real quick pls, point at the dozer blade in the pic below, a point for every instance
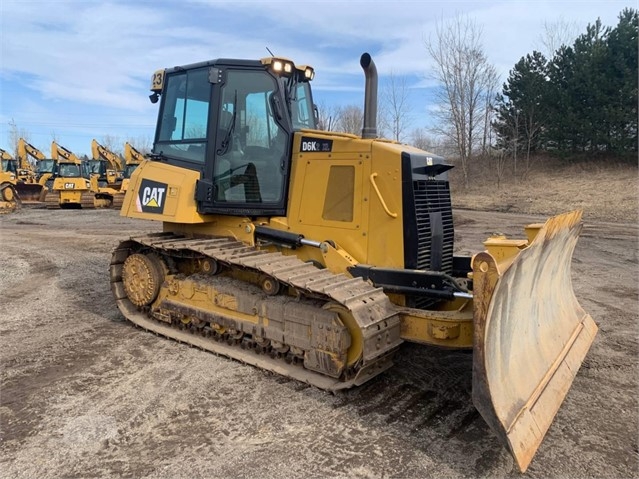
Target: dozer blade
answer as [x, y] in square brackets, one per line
[30, 192]
[530, 335]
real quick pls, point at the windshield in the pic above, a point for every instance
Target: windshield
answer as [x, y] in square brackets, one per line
[69, 170]
[96, 167]
[45, 166]
[128, 170]
[9, 165]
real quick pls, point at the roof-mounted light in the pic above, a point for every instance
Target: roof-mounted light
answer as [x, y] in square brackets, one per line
[305, 73]
[279, 66]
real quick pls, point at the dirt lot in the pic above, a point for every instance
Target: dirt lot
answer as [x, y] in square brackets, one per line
[84, 394]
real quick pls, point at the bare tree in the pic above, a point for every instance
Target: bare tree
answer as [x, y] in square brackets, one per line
[396, 106]
[555, 35]
[464, 76]
[15, 134]
[327, 116]
[500, 157]
[113, 143]
[489, 96]
[419, 138]
[514, 148]
[350, 119]
[144, 144]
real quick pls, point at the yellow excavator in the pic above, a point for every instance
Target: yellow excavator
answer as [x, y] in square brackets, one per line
[107, 165]
[132, 159]
[108, 168]
[46, 168]
[316, 254]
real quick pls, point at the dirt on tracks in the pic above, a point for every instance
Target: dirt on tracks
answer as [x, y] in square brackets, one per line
[85, 394]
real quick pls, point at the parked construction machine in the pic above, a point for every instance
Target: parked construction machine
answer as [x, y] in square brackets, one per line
[9, 198]
[107, 165]
[108, 168]
[316, 254]
[46, 168]
[132, 159]
[71, 187]
[27, 187]
[75, 186]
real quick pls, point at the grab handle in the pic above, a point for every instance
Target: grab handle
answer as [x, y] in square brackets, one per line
[379, 195]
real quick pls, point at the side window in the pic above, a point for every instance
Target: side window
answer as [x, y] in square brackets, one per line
[302, 108]
[250, 145]
[184, 120]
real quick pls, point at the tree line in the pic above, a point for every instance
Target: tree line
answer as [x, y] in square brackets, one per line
[582, 99]
[579, 97]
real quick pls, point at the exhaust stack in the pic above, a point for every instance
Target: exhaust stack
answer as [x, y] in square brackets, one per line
[370, 97]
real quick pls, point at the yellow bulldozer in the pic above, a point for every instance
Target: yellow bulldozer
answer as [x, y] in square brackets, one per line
[316, 254]
[71, 186]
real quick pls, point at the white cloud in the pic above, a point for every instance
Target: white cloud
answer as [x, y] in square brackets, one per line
[95, 59]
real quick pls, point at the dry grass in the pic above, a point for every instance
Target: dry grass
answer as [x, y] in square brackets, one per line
[605, 190]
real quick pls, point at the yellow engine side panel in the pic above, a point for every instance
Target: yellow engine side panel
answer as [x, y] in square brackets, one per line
[163, 193]
[323, 207]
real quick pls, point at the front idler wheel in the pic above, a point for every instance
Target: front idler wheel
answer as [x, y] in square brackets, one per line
[142, 277]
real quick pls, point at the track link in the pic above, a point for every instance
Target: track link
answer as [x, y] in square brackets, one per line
[87, 200]
[52, 200]
[371, 316]
[118, 200]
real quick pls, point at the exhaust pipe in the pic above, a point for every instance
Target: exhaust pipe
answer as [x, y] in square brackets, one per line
[370, 97]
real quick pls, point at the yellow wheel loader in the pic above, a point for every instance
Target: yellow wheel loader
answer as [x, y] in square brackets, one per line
[316, 254]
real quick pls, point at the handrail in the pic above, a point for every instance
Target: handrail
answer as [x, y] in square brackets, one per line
[379, 195]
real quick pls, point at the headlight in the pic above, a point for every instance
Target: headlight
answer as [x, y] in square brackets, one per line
[305, 73]
[88, 184]
[309, 73]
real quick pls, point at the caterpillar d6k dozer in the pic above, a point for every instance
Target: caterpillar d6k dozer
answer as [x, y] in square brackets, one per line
[315, 254]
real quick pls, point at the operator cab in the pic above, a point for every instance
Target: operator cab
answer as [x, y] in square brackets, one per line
[128, 170]
[10, 166]
[233, 120]
[99, 169]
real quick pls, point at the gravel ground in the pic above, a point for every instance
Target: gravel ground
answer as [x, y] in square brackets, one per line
[85, 394]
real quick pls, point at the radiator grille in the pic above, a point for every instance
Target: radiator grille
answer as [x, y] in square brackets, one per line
[432, 201]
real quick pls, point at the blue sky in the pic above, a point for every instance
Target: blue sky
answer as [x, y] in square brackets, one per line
[78, 70]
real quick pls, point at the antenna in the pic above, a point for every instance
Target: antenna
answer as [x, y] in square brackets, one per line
[269, 50]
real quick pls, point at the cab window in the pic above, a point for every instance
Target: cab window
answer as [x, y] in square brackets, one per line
[183, 121]
[251, 146]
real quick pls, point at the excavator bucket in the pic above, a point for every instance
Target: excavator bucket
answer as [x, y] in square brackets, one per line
[530, 333]
[30, 192]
